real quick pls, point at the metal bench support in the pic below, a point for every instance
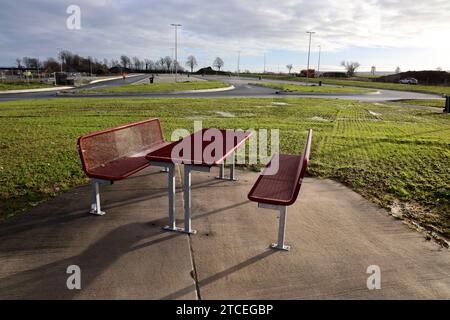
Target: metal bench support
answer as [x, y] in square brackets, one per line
[95, 197]
[282, 225]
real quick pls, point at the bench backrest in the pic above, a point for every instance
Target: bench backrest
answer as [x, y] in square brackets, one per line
[305, 158]
[99, 148]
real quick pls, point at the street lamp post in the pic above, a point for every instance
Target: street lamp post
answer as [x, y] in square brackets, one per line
[239, 63]
[264, 63]
[318, 65]
[309, 54]
[60, 56]
[176, 25]
[172, 50]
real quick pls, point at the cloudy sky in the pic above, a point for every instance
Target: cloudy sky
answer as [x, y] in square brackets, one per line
[411, 34]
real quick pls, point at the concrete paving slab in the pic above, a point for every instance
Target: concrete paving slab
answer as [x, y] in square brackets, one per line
[335, 236]
[122, 255]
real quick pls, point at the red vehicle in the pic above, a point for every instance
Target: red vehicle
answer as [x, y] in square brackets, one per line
[310, 73]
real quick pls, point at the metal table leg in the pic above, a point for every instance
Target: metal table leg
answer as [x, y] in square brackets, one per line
[232, 167]
[171, 188]
[187, 195]
[232, 176]
[221, 175]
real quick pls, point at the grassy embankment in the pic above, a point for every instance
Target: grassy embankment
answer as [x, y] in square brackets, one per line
[162, 86]
[440, 90]
[21, 85]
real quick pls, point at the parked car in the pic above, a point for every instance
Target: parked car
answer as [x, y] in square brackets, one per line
[409, 81]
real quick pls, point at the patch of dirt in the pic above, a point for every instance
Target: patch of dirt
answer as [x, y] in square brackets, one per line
[414, 216]
[316, 118]
[376, 114]
[224, 114]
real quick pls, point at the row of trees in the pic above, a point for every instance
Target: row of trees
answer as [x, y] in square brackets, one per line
[75, 63]
[70, 62]
[191, 62]
[350, 67]
[163, 64]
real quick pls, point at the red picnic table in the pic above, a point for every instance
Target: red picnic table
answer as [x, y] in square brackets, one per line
[196, 152]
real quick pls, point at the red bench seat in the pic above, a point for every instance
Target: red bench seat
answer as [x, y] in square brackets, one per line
[277, 190]
[281, 188]
[117, 153]
[125, 166]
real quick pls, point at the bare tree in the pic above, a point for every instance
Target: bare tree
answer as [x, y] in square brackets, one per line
[149, 64]
[398, 70]
[51, 65]
[161, 64]
[289, 67]
[191, 62]
[31, 62]
[114, 63]
[218, 63]
[19, 63]
[350, 67]
[167, 62]
[125, 61]
[136, 63]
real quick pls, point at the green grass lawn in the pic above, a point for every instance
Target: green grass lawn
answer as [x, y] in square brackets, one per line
[311, 89]
[383, 152]
[162, 86]
[22, 85]
[365, 84]
[438, 103]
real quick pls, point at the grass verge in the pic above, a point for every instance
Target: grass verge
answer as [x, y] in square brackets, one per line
[311, 88]
[21, 85]
[440, 90]
[163, 86]
[386, 153]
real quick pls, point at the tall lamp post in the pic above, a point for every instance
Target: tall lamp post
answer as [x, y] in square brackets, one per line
[60, 56]
[318, 64]
[172, 50]
[176, 25]
[264, 63]
[239, 63]
[309, 54]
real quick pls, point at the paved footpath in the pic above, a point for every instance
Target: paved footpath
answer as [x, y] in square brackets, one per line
[335, 235]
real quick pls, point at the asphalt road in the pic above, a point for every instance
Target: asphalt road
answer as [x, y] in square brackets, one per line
[243, 88]
[52, 94]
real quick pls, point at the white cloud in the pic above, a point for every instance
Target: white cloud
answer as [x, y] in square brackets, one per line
[142, 28]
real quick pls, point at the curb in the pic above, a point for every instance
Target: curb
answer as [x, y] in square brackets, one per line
[36, 90]
[113, 78]
[349, 94]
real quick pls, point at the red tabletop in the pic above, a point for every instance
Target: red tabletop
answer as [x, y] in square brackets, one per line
[207, 147]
